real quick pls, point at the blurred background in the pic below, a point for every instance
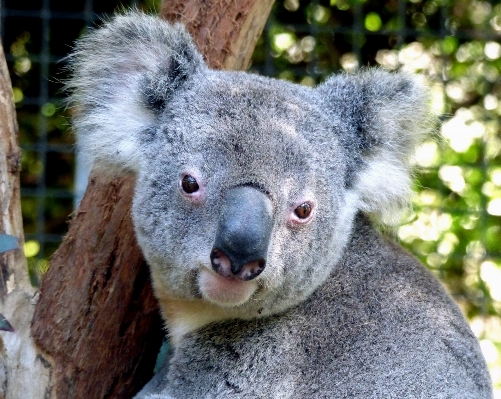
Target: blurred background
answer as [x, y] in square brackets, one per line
[455, 226]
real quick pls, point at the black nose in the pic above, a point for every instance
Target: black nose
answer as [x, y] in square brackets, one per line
[243, 235]
[228, 268]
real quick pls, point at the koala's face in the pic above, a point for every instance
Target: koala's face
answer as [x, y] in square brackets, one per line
[246, 173]
[246, 187]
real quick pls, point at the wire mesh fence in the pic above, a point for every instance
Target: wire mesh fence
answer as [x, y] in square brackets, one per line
[455, 227]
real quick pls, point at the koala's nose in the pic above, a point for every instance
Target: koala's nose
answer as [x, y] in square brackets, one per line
[243, 234]
[224, 266]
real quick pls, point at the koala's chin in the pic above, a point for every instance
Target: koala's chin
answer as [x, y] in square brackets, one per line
[222, 291]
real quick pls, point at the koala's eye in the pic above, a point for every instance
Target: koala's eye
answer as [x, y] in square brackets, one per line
[189, 184]
[303, 210]
[192, 187]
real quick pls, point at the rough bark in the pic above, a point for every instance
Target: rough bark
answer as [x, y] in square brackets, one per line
[96, 319]
[22, 370]
[225, 32]
[97, 316]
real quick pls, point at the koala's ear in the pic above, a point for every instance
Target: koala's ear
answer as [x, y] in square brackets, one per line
[383, 116]
[123, 75]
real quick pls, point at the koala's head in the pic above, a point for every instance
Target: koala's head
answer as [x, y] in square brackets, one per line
[247, 187]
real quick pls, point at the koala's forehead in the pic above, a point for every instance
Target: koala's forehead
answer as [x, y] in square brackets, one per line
[249, 120]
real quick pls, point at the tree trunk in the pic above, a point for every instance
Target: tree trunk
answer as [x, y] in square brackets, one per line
[96, 321]
[225, 32]
[21, 367]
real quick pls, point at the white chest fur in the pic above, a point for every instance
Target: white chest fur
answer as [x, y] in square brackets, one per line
[184, 316]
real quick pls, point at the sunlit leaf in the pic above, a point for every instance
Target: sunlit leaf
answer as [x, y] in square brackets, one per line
[373, 22]
[449, 45]
[31, 248]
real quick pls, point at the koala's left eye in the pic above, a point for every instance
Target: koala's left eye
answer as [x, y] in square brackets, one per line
[189, 184]
[303, 210]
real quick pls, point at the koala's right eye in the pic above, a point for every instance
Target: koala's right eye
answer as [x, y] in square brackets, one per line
[189, 184]
[192, 187]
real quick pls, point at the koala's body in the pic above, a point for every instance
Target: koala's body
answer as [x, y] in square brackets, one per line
[251, 207]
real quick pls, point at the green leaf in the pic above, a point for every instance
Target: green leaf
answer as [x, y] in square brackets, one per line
[5, 325]
[373, 22]
[449, 45]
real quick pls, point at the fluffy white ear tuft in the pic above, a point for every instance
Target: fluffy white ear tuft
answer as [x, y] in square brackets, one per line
[385, 115]
[110, 134]
[385, 189]
[123, 75]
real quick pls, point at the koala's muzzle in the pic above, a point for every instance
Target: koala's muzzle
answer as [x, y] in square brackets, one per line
[243, 234]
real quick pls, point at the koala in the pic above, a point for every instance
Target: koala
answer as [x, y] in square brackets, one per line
[254, 207]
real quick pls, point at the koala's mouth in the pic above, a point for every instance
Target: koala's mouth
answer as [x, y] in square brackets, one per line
[223, 291]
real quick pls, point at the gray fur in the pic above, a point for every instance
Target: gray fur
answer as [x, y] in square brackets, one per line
[338, 312]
